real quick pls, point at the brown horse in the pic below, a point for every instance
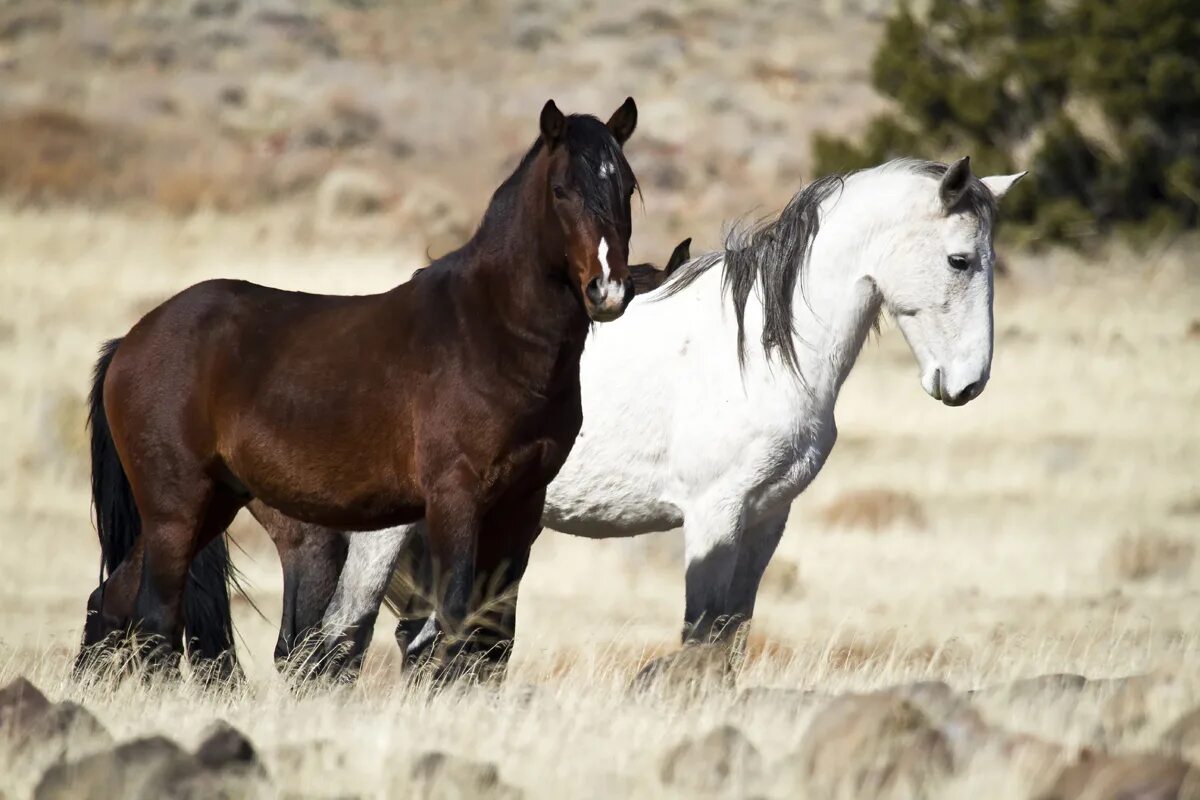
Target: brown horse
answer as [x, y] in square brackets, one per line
[647, 277]
[455, 396]
[312, 557]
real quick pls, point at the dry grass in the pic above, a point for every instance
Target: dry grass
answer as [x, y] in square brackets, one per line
[1007, 553]
[1148, 555]
[1021, 564]
[874, 510]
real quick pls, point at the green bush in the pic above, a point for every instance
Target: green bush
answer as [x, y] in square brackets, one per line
[1099, 99]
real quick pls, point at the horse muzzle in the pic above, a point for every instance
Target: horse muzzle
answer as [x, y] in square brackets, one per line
[606, 299]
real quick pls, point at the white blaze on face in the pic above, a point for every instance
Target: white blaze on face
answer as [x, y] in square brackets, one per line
[602, 252]
[607, 168]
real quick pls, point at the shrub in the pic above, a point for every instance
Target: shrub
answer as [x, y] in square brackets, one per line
[1099, 99]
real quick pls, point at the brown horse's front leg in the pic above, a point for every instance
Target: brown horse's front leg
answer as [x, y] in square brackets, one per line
[504, 546]
[452, 514]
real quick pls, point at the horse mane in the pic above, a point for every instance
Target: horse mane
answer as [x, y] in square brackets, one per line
[773, 253]
[770, 254]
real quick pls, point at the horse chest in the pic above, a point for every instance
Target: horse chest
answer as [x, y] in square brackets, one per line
[779, 465]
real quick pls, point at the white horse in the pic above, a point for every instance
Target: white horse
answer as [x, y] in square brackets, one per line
[710, 404]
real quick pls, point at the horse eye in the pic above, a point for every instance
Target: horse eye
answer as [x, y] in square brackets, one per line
[560, 192]
[959, 262]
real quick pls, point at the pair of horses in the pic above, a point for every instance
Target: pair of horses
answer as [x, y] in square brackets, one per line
[456, 414]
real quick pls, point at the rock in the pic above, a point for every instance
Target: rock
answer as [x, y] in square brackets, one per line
[873, 745]
[721, 760]
[21, 703]
[1183, 737]
[223, 745]
[1024, 765]
[691, 669]
[136, 769]
[439, 776]
[1142, 776]
[349, 193]
[950, 713]
[209, 9]
[35, 733]
[224, 766]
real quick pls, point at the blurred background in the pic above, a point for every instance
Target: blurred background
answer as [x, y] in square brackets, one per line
[337, 145]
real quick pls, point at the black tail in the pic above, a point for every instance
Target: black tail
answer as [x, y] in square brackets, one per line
[208, 621]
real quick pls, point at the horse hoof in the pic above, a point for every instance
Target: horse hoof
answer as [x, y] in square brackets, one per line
[222, 672]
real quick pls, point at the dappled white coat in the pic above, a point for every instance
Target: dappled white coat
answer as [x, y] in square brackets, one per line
[677, 432]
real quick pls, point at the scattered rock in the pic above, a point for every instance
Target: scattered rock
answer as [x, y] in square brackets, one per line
[1183, 737]
[19, 26]
[223, 745]
[1025, 765]
[439, 776]
[689, 670]
[873, 745]
[1145, 777]
[136, 769]
[224, 766]
[208, 9]
[21, 703]
[721, 760]
[35, 733]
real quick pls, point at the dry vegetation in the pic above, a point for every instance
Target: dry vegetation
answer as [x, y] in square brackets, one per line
[1047, 529]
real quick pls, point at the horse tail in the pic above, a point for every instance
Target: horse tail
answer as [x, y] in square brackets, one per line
[207, 616]
[117, 521]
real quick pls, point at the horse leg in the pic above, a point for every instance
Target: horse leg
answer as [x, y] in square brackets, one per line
[409, 595]
[712, 537]
[349, 619]
[312, 567]
[175, 527]
[754, 553]
[508, 535]
[109, 611]
[453, 516]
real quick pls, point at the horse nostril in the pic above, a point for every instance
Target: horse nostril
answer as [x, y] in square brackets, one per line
[970, 392]
[594, 292]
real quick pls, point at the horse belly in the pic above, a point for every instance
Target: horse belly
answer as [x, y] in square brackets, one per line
[612, 505]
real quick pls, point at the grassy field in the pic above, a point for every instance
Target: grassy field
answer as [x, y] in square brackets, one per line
[1048, 527]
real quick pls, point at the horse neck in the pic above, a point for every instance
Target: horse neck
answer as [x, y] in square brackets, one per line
[521, 276]
[836, 303]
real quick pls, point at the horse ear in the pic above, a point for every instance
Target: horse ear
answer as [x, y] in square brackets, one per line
[623, 121]
[679, 256]
[1000, 184]
[955, 182]
[553, 124]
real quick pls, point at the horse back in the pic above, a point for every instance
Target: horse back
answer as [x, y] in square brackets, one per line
[276, 391]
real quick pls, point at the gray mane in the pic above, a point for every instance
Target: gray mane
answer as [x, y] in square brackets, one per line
[773, 254]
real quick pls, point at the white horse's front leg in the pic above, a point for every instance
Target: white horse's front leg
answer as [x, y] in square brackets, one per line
[755, 550]
[712, 536]
[350, 617]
